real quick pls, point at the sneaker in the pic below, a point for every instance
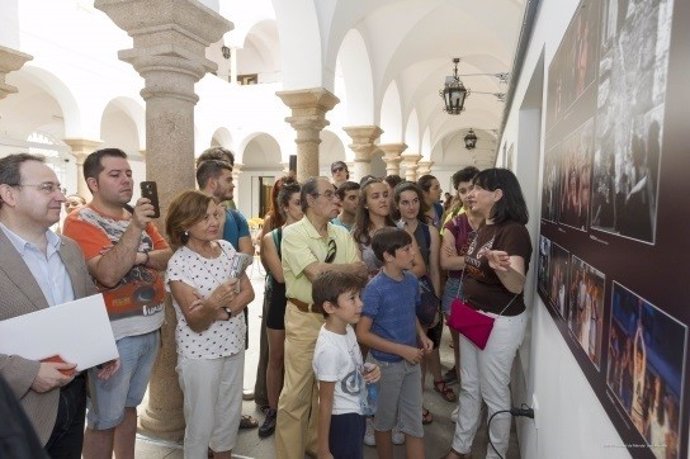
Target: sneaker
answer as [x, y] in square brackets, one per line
[369, 438]
[398, 436]
[269, 425]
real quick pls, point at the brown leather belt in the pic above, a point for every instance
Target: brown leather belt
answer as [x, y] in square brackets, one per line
[304, 307]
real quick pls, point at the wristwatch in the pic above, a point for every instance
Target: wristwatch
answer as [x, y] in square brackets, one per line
[229, 311]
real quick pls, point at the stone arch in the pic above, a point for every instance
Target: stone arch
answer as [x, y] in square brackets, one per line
[260, 52]
[300, 35]
[355, 65]
[331, 149]
[222, 138]
[259, 150]
[31, 109]
[123, 125]
[412, 133]
[391, 115]
[60, 92]
[245, 20]
[425, 149]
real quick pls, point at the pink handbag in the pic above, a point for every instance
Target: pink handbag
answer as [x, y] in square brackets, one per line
[474, 325]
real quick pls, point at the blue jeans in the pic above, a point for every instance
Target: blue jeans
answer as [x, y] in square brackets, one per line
[125, 389]
[452, 290]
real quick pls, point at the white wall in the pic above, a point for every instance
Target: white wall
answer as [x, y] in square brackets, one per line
[570, 422]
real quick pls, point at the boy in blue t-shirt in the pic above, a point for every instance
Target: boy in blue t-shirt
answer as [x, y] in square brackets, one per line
[389, 327]
[339, 367]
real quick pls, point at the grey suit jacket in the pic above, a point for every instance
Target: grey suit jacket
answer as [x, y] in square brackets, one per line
[20, 294]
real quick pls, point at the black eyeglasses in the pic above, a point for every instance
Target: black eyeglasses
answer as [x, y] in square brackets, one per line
[332, 250]
[328, 194]
[45, 187]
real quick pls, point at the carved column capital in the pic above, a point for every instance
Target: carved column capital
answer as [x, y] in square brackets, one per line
[309, 107]
[81, 148]
[409, 166]
[424, 167]
[391, 156]
[363, 146]
[170, 38]
[10, 60]
[363, 140]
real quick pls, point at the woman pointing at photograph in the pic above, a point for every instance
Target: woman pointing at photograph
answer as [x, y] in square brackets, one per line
[493, 284]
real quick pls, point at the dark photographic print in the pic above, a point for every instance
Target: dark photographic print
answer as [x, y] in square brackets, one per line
[586, 300]
[585, 45]
[558, 292]
[576, 176]
[646, 358]
[550, 192]
[633, 66]
[573, 67]
[543, 268]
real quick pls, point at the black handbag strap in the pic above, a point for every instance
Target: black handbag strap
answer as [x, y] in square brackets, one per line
[457, 295]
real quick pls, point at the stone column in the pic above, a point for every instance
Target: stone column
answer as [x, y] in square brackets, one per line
[170, 38]
[409, 166]
[363, 145]
[10, 60]
[391, 156]
[424, 167]
[309, 107]
[81, 148]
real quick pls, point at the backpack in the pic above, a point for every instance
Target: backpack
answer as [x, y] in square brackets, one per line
[430, 303]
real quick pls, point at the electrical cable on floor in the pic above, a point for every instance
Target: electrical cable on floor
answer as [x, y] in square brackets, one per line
[524, 410]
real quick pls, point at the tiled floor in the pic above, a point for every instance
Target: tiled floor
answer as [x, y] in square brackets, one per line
[438, 434]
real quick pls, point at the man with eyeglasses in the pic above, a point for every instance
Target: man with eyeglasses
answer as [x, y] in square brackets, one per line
[125, 254]
[309, 247]
[40, 269]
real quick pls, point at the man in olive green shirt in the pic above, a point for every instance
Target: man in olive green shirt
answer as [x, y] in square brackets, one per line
[310, 247]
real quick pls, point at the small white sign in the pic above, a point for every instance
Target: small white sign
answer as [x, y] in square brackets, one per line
[78, 331]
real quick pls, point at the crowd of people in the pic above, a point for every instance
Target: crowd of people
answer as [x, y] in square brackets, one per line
[361, 278]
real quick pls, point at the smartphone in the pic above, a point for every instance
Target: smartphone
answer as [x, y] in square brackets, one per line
[149, 190]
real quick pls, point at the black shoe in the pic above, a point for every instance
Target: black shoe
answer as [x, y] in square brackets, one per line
[269, 425]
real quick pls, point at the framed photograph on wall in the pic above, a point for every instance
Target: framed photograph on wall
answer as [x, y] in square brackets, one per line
[647, 355]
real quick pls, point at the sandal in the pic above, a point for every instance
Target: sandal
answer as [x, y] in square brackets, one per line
[450, 376]
[248, 422]
[427, 417]
[445, 391]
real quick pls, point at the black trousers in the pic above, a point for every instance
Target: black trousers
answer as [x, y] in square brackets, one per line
[68, 434]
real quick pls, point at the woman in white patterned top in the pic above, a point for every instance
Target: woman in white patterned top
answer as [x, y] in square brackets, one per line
[210, 324]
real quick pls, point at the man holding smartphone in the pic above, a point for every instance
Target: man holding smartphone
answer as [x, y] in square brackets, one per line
[124, 254]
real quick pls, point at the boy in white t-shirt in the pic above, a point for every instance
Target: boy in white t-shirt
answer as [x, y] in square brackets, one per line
[339, 368]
